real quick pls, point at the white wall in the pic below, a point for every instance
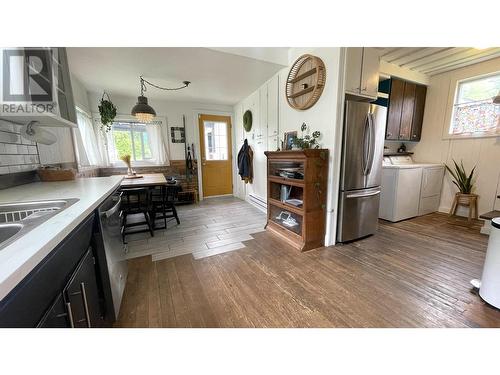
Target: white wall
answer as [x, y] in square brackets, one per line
[435, 147]
[324, 116]
[173, 111]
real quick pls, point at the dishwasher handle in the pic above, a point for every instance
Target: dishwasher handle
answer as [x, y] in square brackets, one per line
[113, 209]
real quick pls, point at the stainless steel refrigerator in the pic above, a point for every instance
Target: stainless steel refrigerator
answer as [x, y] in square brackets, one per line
[361, 170]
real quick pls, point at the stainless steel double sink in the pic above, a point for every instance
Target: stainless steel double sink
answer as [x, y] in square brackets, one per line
[17, 219]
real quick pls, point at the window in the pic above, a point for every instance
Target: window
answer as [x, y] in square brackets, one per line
[474, 112]
[86, 141]
[131, 139]
[145, 143]
[215, 140]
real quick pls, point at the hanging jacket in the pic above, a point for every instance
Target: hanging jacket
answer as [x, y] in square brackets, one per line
[245, 162]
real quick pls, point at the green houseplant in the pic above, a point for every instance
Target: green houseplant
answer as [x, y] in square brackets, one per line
[107, 110]
[461, 179]
[465, 183]
[306, 141]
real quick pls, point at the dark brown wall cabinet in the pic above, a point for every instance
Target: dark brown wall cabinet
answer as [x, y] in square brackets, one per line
[406, 111]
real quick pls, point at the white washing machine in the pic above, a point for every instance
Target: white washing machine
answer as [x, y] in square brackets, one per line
[409, 189]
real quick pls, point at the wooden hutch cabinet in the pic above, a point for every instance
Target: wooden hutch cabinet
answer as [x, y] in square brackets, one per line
[296, 196]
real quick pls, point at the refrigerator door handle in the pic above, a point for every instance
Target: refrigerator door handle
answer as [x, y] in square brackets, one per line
[362, 195]
[371, 152]
[366, 145]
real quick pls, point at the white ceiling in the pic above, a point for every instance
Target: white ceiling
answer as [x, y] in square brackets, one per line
[435, 60]
[219, 77]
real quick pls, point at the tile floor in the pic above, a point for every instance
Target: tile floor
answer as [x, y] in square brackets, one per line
[214, 226]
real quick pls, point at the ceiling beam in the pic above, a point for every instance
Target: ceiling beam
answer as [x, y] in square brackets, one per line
[392, 57]
[464, 63]
[425, 52]
[467, 55]
[393, 70]
[435, 56]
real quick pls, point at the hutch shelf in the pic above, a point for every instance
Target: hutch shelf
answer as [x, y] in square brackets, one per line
[296, 196]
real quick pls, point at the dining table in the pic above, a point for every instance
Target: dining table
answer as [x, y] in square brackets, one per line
[145, 180]
[151, 181]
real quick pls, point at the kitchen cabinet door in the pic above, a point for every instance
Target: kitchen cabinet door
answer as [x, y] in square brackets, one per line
[354, 62]
[57, 316]
[82, 294]
[395, 106]
[262, 132]
[418, 114]
[260, 169]
[407, 111]
[273, 106]
[370, 73]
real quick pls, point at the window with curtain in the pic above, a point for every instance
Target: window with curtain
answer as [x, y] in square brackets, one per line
[145, 143]
[474, 112]
[87, 141]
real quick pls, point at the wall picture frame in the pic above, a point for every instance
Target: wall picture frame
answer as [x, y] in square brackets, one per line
[288, 139]
[177, 134]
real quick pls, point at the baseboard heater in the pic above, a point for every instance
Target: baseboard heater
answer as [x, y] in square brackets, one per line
[258, 202]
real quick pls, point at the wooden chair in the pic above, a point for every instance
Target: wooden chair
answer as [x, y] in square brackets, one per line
[468, 200]
[163, 205]
[135, 202]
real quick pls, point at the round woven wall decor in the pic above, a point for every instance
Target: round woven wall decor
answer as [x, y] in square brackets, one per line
[305, 82]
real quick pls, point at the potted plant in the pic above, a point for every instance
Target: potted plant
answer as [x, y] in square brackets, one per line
[465, 183]
[107, 110]
[306, 141]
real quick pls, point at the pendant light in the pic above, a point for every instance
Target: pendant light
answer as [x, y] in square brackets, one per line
[496, 99]
[142, 111]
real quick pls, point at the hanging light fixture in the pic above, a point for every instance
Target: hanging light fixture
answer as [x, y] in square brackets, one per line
[142, 111]
[496, 99]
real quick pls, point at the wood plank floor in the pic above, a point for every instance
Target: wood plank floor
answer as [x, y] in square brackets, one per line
[414, 273]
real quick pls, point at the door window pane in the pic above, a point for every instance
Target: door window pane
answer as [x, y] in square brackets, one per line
[215, 140]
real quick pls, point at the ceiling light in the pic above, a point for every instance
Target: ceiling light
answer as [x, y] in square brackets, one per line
[142, 111]
[496, 99]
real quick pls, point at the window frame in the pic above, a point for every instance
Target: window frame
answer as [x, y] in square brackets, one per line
[449, 128]
[126, 118]
[147, 161]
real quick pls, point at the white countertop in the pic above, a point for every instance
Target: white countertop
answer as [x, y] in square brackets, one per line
[21, 256]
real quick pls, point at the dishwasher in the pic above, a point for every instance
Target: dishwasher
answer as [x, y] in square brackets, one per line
[115, 250]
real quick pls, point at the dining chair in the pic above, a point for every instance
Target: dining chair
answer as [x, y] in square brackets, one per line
[163, 200]
[135, 202]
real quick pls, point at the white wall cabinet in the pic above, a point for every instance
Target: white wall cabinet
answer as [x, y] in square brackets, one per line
[261, 130]
[273, 106]
[362, 72]
[264, 136]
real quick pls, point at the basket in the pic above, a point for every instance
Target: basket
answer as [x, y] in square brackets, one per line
[48, 175]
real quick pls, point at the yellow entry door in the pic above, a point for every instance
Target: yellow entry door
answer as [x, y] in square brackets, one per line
[215, 146]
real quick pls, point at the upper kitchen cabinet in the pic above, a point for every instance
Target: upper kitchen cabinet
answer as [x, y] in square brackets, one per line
[65, 101]
[273, 106]
[406, 109]
[53, 77]
[362, 72]
[261, 129]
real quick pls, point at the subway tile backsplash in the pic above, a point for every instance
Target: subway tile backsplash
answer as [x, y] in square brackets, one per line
[17, 154]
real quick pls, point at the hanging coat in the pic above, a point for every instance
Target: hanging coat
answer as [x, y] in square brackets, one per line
[245, 162]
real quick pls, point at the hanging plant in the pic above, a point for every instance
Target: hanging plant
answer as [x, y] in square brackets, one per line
[107, 110]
